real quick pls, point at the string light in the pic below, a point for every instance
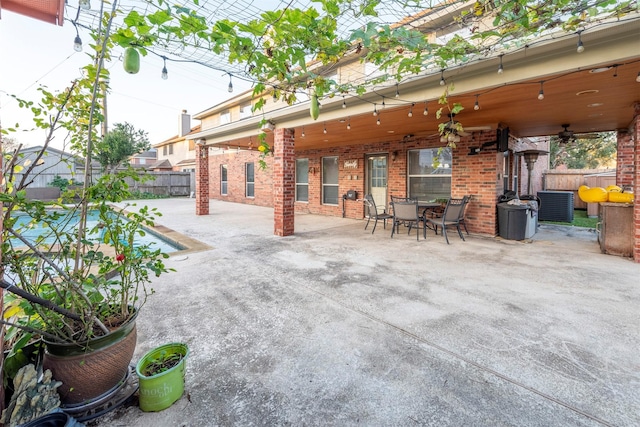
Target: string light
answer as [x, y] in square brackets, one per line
[85, 4]
[383, 104]
[500, 67]
[302, 131]
[411, 110]
[476, 106]
[442, 80]
[375, 110]
[426, 109]
[165, 73]
[77, 42]
[325, 128]
[397, 91]
[349, 123]
[378, 121]
[541, 93]
[230, 87]
[580, 48]
[344, 103]
[638, 77]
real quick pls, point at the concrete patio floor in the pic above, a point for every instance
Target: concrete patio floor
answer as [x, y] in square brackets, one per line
[335, 326]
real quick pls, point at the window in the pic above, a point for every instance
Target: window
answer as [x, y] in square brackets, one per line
[426, 180]
[330, 180]
[164, 150]
[170, 148]
[249, 180]
[223, 180]
[302, 180]
[245, 110]
[225, 117]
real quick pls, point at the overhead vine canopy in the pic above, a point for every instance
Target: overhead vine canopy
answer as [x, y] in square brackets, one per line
[268, 41]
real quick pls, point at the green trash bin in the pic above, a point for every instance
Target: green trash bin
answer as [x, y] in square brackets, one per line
[512, 220]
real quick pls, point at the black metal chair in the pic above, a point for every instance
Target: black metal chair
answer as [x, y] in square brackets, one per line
[453, 216]
[374, 214]
[405, 211]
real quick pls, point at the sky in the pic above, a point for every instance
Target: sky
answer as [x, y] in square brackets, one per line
[34, 53]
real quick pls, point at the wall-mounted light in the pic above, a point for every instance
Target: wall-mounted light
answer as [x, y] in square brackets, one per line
[312, 170]
[394, 155]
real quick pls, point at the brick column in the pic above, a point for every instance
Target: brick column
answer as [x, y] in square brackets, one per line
[636, 184]
[202, 180]
[284, 181]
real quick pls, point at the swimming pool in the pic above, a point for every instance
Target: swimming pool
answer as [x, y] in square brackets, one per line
[31, 231]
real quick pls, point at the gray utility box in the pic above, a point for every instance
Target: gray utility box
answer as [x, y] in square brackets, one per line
[516, 221]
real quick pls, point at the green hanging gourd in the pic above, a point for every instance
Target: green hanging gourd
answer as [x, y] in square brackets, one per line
[131, 60]
[314, 108]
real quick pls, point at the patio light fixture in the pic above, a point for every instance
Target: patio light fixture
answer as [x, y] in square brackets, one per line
[410, 113]
[638, 77]
[541, 93]
[442, 80]
[344, 102]
[500, 67]
[375, 110]
[476, 106]
[397, 91]
[77, 42]
[325, 128]
[302, 132]
[349, 123]
[580, 48]
[165, 73]
[426, 109]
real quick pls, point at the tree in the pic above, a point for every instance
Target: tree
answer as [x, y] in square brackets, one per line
[583, 153]
[8, 144]
[118, 145]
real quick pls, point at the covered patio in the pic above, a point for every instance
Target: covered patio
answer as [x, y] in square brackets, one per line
[336, 326]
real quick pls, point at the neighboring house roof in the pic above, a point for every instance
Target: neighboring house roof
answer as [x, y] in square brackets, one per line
[151, 154]
[178, 138]
[162, 164]
[186, 162]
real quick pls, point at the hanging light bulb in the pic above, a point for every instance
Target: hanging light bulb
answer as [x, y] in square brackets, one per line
[426, 109]
[378, 121]
[230, 87]
[77, 43]
[397, 91]
[85, 4]
[476, 106]
[638, 77]
[580, 48]
[375, 111]
[383, 104]
[442, 80]
[410, 114]
[303, 132]
[541, 93]
[344, 103]
[165, 73]
[500, 67]
[349, 124]
[325, 128]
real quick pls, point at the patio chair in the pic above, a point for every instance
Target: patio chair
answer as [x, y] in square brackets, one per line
[375, 214]
[405, 211]
[453, 216]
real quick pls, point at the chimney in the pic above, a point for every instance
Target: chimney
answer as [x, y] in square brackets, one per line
[185, 123]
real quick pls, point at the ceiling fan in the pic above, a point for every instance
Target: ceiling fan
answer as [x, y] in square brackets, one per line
[567, 135]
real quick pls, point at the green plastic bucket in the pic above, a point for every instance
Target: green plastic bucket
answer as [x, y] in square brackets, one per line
[159, 391]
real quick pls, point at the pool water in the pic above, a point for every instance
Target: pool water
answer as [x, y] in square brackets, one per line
[71, 223]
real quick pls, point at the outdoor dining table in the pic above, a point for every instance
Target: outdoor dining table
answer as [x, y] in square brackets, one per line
[424, 206]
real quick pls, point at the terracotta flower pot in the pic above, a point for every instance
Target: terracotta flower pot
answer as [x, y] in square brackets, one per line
[91, 369]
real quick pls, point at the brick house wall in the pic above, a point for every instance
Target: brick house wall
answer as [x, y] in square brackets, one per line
[236, 191]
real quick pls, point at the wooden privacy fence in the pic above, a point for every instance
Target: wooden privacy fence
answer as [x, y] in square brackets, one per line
[572, 179]
[161, 183]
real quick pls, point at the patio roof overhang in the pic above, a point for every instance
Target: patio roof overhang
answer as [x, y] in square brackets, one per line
[51, 11]
[593, 91]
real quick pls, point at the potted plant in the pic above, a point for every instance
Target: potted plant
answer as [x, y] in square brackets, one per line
[161, 376]
[75, 275]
